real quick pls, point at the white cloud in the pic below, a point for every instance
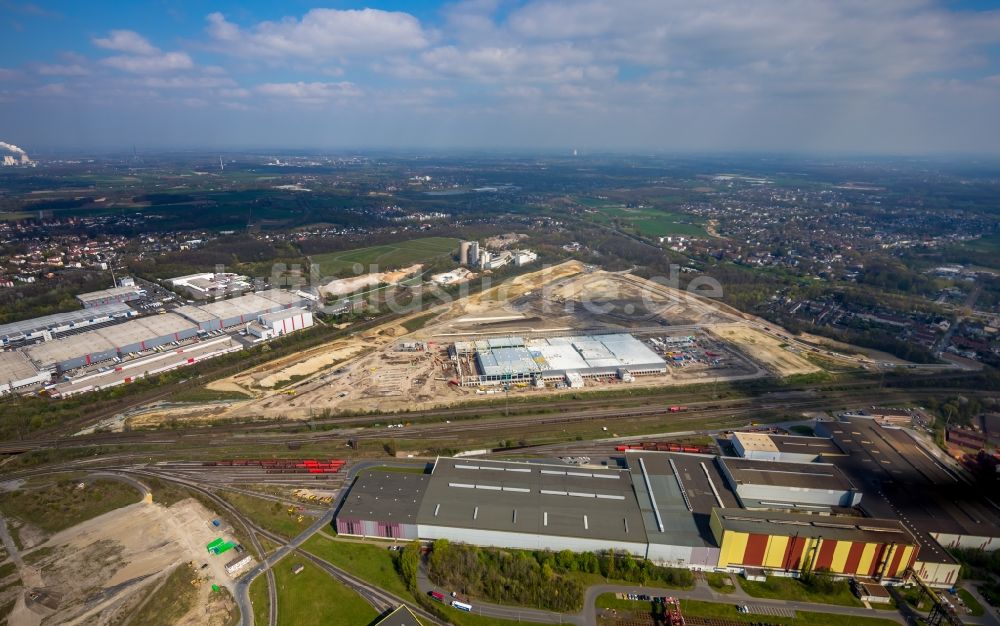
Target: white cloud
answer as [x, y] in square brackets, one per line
[321, 34]
[166, 62]
[73, 69]
[127, 41]
[237, 92]
[187, 82]
[558, 62]
[309, 93]
[772, 45]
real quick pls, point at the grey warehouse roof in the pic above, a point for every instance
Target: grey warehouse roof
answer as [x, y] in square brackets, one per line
[59, 319]
[109, 338]
[195, 313]
[390, 497]
[785, 474]
[537, 499]
[251, 303]
[107, 293]
[684, 498]
[858, 529]
[277, 316]
[805, 445]
[15, 367]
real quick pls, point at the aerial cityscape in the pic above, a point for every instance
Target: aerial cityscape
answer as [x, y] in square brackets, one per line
[499, 312]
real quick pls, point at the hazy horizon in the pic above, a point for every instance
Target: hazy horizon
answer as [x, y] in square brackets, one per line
[894, 78]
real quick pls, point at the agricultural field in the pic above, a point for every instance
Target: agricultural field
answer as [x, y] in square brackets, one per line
[646, 221]
[389, 256]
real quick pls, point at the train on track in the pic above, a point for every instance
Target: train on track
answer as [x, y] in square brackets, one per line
[284, 466]
[667, 446]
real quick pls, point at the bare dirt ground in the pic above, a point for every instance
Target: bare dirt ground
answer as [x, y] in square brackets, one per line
[875, 355]
[372, 370]
[101, 569]
[765, 349]
[344, 286]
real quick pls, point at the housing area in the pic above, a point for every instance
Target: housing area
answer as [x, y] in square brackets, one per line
[814, 505]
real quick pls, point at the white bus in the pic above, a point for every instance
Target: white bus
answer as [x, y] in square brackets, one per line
[462, 606]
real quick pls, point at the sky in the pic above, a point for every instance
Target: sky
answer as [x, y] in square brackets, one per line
[665, 76]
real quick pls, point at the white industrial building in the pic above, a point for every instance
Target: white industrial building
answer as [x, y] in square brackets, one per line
[17, 372]
[270, 325]
[238, 564]
[241, 310]
[48, 326]
[785, 485]
[211, 285]
[125, 293]
[103, 344]
[505, 359]
[770, 447]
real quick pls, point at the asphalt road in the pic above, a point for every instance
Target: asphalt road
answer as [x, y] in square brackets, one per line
[702, 592]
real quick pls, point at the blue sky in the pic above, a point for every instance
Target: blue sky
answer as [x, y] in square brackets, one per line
[844, 76]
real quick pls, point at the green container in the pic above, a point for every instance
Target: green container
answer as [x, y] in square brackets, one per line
[218, 541]
[215, 588]
[226, 547]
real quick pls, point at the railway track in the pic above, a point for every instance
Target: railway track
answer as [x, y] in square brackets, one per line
[243, 433]
[381, 600]
[432, 427]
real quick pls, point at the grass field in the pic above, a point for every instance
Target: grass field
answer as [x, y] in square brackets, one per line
[372, 562]
[780, 588]
[387, 257]
[314, 597]
[975, 608]
[715, 610]
[418, 322]
[61, 505]
[697, 608]
[273, 516]
[720, 582]
[258, 599]
[646, 221]
[200, 394]
[171, 600]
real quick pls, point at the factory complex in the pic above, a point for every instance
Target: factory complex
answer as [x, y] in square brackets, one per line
[126, 293]
[572, 358]
[105, 332]
[49, 326]
[699, 511]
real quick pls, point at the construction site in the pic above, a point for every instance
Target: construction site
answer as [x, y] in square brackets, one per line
[563, 328]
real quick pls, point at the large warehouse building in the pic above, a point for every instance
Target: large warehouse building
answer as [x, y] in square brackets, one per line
[109, 296]
[514, 358]
[673, 508]
[107, 343]
[17, 372]
[676, 494]
[531, 506]
[792, 486]
[384, 504]
[241, 310]
[71, 321]
[771, 447]
[848, 546]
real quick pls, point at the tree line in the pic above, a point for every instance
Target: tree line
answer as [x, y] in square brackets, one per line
[542, 579]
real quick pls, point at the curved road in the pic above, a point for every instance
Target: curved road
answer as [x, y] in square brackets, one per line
[701, 591]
